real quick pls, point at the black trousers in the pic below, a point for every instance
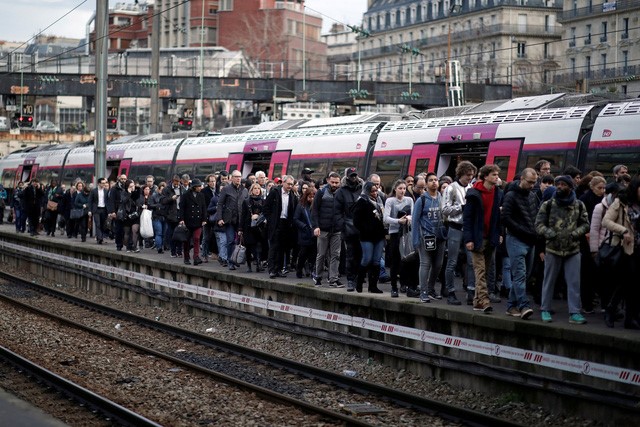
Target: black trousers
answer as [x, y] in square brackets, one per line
[279, 245]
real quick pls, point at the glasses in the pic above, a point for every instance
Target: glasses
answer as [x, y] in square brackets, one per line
[530, 182]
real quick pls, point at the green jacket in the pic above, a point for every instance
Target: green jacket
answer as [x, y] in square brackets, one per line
[562, 226]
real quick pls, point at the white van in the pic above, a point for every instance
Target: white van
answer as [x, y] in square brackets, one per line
[4, 123]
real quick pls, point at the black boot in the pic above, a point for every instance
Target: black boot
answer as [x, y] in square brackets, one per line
[374, 275]
[249, 270]
[394, 288]
[609, 317]
[362, 272]
[259, 266]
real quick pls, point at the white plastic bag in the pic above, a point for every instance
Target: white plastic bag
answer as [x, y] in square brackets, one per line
[146, 224]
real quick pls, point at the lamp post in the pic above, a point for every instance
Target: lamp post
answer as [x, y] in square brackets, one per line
[201, 104]
[454, 9]
[304, 47]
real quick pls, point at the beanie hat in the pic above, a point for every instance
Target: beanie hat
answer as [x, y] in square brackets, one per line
[566, 179]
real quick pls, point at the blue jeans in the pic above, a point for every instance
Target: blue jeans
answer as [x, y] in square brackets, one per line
[521, 259]
[454, 245]
[371, 252]
[221, 240]
[158, 232]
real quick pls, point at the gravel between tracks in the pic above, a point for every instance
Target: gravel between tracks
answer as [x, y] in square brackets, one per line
[328, 356]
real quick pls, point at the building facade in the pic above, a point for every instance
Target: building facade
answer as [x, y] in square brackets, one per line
[601, 46]
[495, 41]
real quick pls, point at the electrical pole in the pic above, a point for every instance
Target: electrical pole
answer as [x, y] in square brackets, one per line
[102, 45]
[155, 71]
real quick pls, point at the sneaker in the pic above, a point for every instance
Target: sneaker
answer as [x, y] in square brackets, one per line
[513, 311]
[351, 286]
[174, 256]
[433, 295]
[136, 250]
[394, 293]
[413, 293]
[470, 295]
[577, 318]
[485, 308]
[452, 299]
[336, 284]
[526, 313]
[424, 297]
[546, 316]
[317, 281]
[494, 299]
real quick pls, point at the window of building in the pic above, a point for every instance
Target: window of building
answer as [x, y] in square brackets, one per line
[418, 13]
[587, 66]
[572, 62]
[387, 20]
[603, 61]
[398, 18]
[603, 30]
[547, 53]
[547, 23]
[522, 53]
[226, 4]
[625, 60]
[572, 41]
[625, 28]
[587, 39]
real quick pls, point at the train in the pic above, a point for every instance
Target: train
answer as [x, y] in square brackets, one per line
[513, 134]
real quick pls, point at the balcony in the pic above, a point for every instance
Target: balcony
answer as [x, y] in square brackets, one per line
[587, 41]
[598, 76]
[572, 43]
[579, 13]
[603, 39]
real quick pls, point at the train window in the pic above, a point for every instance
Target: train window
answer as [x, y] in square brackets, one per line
[182, 169]
[204, 169]
[503, 163]
[389, 169]
[557, 161]
[277, 170]
[320, 168]
[340, 165]
[422, 165]
[605, 162]
[7, 179]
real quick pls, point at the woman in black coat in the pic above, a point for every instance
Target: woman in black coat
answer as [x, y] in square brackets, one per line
[307, 242]
[253, 234]
[130, 216]
[368, 218]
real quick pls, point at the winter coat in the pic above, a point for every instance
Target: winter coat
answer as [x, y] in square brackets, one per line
[369, 220]
[325, 211]
[252, 235]
[473, 219]
[128, 204]
[302, 221]
[427, 218]
[454, 199]
[169, 205]
[346, 197]
[519, 210]
[230, 204]
[562, 226]
[617, 221]
[597, 231]
[155, 205]
[193, 210]
[273, 209]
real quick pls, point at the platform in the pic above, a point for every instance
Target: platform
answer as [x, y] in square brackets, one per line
[590, 354]
[18, 413]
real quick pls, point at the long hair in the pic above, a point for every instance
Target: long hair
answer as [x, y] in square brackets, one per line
[304, 200]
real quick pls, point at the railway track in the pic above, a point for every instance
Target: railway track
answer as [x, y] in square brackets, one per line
[373, 404]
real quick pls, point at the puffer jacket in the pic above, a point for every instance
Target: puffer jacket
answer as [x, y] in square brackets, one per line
[325, 211]
[597, 232]
[562, 226]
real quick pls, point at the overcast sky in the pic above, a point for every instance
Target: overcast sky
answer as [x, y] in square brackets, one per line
[23, 19]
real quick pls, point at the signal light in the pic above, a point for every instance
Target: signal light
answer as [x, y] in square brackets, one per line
[185, 124]
[112, 123]
[25, 121]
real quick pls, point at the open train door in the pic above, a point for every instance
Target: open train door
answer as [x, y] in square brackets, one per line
[423, 158]
[504, 153]
[234, 162]
[279, 164]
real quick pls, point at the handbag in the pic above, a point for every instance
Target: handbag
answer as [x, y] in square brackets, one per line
[258, 221]
[239, 254]
[408, 252]
[180, 234]
[609, 255]
[76, 213]
[10, 217]
[52, 206]
[146, 224]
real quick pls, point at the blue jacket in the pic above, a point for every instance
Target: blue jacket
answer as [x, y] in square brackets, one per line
[473, 219]
[427, 218]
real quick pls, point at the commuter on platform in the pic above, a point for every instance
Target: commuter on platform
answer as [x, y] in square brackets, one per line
[279, 209]
[562, 220]
[368, 218]
[252, 229]
[429, 236]
[3, 202]
[98, 202]
[115, 199]
[519, 210]
[328, 222]
[228, 211]
[146, 192]
[33, 195]
[397, 215]
[81, 201]
[157, 216]
[208, 239]
[618, 171]
[170, 199]
[17, 206]
[192, 213]
[481, 230]
[55, 194]
[307, 242]
[130, 214]
[454, 199]
[346, 197]
[622, 222]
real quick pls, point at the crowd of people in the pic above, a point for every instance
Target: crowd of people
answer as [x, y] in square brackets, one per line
[537, 237]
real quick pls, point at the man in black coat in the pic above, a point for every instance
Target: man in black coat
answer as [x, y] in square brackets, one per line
[169, 200]
[229, 208]
[279, 208]
[98, 202]
[193, 214]
[346, 196]
[114, 199]
[33, 195]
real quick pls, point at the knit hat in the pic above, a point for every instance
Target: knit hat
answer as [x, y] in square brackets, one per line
[566, 179]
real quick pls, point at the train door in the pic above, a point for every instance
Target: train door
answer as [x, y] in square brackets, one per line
[504, 153]
[423, 158]
[125, 167]
[234, 162]
[279, 163]
[113, 167]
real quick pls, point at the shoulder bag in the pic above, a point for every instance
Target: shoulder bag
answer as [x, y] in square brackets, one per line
[609, 255]
[76, 213]
[408, 253]
[52, 206]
